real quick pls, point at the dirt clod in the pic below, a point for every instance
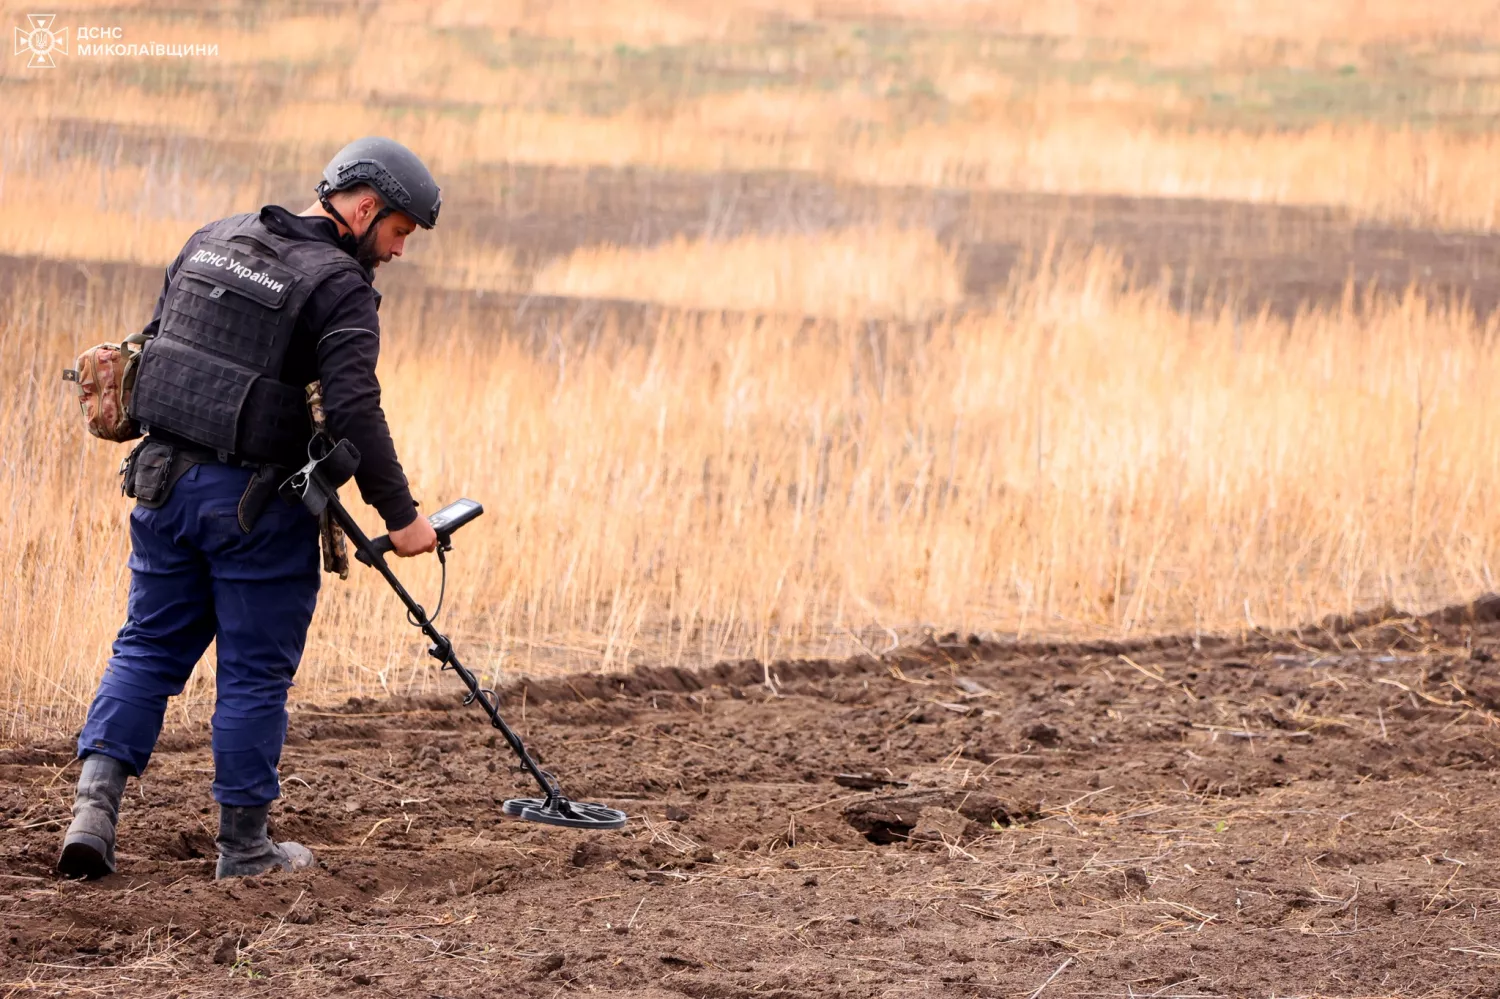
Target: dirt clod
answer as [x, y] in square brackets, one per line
[1042, 734]
[592, 852]
[226, 950]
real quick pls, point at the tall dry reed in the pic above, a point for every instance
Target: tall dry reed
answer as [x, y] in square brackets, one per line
[1081, 461]
[1084, 114]
[822, 454]
[1421, 176]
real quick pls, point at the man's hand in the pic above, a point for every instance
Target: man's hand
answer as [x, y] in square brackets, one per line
[415, 538]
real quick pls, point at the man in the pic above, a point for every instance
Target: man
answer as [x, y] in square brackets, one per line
[253, 309]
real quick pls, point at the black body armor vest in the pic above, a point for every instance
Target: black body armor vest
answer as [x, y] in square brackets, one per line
[212, 373]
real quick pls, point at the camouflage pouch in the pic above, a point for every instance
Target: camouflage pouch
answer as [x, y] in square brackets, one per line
[335, 546]
[105, 377]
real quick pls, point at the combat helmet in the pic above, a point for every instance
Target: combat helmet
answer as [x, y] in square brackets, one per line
[402, 179]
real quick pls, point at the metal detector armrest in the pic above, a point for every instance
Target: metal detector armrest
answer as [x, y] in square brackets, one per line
[447, 520]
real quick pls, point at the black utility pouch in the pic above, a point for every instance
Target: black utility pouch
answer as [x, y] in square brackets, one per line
[127, 471]
[150, 478]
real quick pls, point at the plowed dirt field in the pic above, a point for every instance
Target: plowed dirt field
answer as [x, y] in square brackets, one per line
[1295, 814]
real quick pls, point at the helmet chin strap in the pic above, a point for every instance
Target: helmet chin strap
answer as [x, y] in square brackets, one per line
[361, 247]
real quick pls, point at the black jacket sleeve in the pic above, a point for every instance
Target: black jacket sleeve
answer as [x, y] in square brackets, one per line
[348, 345]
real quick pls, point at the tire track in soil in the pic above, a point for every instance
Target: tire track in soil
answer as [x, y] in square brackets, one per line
[1289, 814]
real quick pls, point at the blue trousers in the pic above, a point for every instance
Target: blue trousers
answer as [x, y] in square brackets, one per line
[196, 577]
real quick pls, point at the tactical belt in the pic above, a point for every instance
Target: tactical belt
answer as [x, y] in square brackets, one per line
[154, 467]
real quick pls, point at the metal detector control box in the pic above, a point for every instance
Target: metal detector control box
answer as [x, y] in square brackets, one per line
[447, 520]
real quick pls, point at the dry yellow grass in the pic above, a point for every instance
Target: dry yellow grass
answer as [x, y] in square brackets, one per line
[91, 211]
[1196, 30]
[463, 104]
[1200, 30]
[1401, 175]
[781, 471]
[1093, 464]
[882, 272]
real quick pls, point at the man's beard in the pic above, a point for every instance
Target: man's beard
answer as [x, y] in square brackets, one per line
[365, 251]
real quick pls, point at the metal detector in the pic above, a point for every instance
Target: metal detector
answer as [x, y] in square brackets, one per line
[316, 485]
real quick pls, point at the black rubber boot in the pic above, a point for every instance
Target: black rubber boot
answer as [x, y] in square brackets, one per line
[89, 844]
[245, 849]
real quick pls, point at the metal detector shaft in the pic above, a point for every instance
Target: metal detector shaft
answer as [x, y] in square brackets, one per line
[441, 649]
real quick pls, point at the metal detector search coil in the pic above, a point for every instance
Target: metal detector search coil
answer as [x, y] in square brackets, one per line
[316, 486]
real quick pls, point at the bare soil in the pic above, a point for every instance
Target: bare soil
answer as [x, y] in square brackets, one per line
[1291, 814]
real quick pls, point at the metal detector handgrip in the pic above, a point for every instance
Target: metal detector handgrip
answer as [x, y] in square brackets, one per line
[447, 520]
